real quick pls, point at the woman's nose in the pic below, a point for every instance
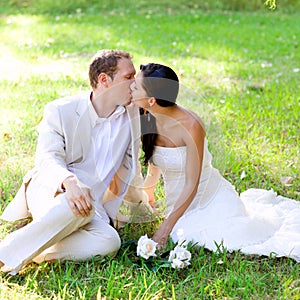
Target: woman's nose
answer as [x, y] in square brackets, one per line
[132, 85]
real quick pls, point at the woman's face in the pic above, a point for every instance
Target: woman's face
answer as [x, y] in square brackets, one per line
[139, 96]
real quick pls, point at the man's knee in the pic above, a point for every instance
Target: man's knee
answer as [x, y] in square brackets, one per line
[109, 243]
[113, 243]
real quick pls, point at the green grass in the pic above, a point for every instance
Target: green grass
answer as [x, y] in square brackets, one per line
[239, 71]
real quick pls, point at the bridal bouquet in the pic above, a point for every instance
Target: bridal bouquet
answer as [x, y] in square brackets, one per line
[178, 258]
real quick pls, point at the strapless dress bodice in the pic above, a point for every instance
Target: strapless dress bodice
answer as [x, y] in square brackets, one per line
[172, 162]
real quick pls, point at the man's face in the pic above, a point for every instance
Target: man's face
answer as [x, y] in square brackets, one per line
[120, 91]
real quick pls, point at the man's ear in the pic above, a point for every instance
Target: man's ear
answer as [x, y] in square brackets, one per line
[104, 79]
[151, 101]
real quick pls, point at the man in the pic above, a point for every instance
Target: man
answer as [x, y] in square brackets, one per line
[86, 143]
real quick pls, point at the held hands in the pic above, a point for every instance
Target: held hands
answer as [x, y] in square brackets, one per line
[150, 197]
[79, 196]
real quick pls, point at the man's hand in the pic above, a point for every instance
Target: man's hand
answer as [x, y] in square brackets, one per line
[79, 196]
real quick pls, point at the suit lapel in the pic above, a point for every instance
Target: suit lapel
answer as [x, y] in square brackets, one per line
[82, 130]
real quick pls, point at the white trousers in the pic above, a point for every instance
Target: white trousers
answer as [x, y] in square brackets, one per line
[55, 233]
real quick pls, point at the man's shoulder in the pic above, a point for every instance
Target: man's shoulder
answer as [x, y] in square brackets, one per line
[68, 101]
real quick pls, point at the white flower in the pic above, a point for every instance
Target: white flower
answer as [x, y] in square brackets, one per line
[177, 263]
[146, 247]
[180, 253]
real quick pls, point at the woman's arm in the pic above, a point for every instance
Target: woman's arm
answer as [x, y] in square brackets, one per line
[194, 140]
[152, 178]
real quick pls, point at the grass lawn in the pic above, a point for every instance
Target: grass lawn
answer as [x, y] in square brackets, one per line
[239, 70]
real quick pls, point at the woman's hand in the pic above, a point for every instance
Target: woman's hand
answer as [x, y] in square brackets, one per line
[161, 236]
[79, 196]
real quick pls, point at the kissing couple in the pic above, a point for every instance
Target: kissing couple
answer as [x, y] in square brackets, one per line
[87, 162]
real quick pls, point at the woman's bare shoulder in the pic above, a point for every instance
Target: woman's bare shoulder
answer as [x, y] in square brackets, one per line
[192, 120]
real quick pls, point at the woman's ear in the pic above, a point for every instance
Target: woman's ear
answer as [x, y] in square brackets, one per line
[104, 79]
[151, 101]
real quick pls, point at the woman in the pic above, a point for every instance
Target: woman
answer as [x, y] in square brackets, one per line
[199, 201]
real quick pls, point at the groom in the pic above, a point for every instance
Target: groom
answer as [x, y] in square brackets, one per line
[86, 144]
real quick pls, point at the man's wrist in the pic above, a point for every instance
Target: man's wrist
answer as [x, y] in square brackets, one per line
[67, 182]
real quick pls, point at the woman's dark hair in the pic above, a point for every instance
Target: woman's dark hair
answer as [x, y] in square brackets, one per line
[162, 83]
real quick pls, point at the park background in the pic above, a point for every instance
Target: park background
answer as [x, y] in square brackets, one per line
[239, 68]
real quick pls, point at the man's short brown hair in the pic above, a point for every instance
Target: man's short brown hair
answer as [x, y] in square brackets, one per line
[105, 61]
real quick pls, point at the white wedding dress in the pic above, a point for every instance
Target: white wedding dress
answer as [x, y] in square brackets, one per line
[256, 222]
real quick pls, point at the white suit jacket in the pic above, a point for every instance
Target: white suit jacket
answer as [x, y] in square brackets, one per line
[64, 138]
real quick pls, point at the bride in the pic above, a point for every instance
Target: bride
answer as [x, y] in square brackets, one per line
[200, 203]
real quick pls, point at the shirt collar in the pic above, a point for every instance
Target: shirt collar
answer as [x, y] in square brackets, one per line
[96, 120]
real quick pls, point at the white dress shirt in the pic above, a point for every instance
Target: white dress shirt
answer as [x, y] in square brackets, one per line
[110, 138]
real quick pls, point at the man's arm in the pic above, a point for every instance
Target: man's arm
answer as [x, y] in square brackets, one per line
[51, 162]
[152, 178]
[50, 158]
